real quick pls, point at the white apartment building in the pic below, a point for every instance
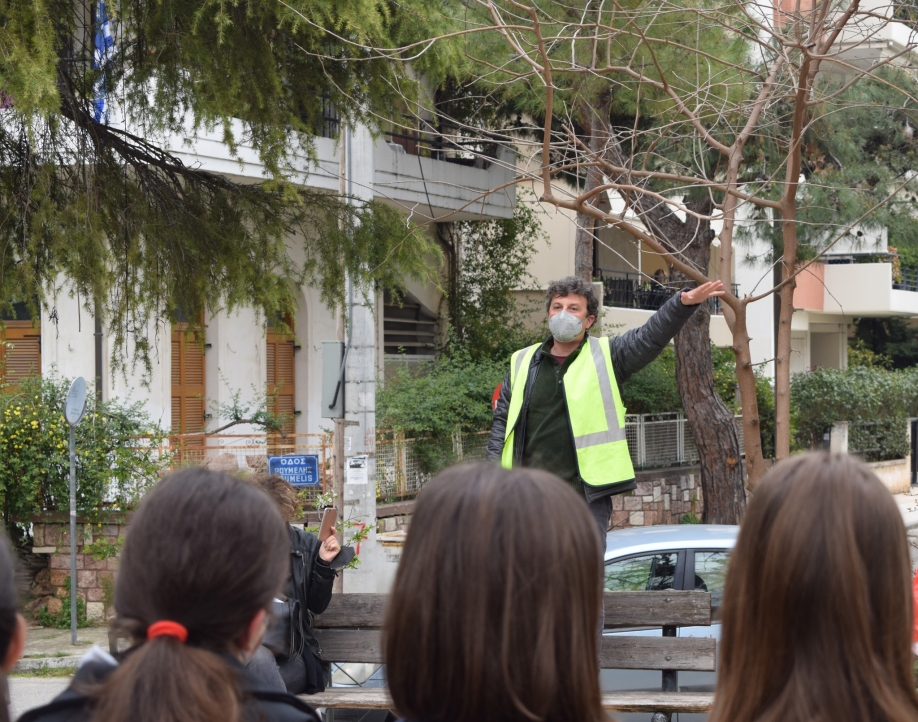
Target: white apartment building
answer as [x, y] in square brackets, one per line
[426, 175]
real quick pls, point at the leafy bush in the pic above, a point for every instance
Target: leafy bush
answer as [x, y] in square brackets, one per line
[487, 319]
[875, 402]
[453, 391]
[61, 620]
[654, 390]
[112, 465]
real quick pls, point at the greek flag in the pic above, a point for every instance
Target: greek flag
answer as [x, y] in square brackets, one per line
[102, 56]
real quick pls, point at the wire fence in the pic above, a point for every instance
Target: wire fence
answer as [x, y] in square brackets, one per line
[403, 465]
[232, 452]
[657, 440]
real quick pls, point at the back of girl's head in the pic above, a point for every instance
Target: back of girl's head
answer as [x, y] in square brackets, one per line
[817, 611]
[495, 609]
[9, 598]
[208, 551]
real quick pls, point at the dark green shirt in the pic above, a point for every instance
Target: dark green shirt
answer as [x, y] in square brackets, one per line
[549, 444]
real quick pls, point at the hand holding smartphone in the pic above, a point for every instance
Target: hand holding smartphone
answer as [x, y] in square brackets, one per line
[329, 519]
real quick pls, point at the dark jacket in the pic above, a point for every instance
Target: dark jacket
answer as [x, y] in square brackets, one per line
[631, 352]
[266, 706]
[310, 583]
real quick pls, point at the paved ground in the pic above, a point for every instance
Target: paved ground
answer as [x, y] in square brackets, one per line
[42, 642]
[908, 505]
[29, 692]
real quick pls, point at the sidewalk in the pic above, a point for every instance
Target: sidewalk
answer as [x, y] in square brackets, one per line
[908, 506]
[51, 648]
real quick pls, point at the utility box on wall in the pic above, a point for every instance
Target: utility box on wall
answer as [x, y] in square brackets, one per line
[332, 380]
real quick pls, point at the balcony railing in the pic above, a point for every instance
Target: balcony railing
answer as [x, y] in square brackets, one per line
[636, 290]
[904, 278]
[427, 138]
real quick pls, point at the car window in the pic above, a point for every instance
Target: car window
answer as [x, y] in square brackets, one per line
[711, 574]
[654, 572]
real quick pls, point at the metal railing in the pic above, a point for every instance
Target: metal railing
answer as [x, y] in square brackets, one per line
[248, 451]
[404, 466]
[637, 290]
[424, 137]
[907, 281]
[659, 440]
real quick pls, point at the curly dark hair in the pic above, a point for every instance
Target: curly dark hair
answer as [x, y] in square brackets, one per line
[281, 491]
[576, 286]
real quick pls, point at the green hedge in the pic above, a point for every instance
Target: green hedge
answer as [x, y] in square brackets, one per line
[875, 402]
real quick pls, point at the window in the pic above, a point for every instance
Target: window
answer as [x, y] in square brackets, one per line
[20, 351]
[651, 572]
[281, 379]
[711, 574]
[188, 388]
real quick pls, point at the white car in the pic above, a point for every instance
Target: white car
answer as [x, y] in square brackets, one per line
[658, 558]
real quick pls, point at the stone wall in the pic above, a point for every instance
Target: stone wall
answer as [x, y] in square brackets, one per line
[393, 517]
[98, 546]
[663, 496]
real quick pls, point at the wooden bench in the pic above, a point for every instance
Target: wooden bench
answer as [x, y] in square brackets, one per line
[350, 631]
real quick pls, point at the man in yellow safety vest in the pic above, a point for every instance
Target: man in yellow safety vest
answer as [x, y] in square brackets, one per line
[560, 406]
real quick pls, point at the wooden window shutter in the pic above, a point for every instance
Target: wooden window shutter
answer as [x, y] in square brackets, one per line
[23, 358]
[281, 378]
[188, 388]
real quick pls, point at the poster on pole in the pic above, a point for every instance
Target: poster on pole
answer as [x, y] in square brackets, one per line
[355, 471]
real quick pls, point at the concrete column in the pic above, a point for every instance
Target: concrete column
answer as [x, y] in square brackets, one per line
[67, 340]
[235, 362]
[359, 503]
[838, 438]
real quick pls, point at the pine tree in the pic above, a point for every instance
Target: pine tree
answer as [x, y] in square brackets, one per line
[107, 207]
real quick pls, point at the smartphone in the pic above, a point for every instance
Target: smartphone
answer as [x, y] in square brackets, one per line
[329, 519]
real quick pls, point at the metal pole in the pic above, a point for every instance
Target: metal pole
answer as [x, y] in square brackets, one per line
[73, 573]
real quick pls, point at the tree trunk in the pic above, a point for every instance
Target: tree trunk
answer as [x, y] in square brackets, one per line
[722, 482]
[712, 423]
[599, 131]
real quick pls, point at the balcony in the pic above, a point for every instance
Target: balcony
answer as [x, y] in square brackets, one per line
[427, 171]
[858, 284]
[636, 290]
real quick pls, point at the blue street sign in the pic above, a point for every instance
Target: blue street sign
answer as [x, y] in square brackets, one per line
[297, 469]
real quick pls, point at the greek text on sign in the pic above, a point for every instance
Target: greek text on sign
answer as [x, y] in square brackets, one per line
[296, 469]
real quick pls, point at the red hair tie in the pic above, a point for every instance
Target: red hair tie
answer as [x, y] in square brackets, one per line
[166, 628]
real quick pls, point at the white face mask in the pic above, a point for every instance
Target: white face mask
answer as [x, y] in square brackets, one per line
[565, 327]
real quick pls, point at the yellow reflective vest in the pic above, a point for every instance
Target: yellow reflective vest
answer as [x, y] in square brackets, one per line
[594, 408]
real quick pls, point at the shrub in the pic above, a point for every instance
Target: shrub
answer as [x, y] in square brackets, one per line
[654, 390]
[113, 466]
[875, 402]
[61, 620]
[452, 392]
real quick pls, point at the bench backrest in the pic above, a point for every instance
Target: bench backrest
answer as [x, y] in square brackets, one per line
[349, 630]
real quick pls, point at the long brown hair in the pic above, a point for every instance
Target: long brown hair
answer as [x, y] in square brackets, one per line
[817, 610]
[208, 551]
[8, 606]
[495, 609]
